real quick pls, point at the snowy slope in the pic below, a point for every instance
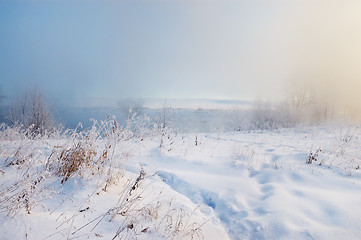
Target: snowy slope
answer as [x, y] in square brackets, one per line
[240, 185]
[260, 186]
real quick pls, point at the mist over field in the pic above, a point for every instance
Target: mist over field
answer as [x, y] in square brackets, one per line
[245, 50]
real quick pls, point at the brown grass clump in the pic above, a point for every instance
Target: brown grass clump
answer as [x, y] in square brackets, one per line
[73, 159]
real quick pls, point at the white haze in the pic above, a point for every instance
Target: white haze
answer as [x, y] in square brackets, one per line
[78, 50]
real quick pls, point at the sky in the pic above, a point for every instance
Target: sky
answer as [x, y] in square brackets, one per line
[76, 50]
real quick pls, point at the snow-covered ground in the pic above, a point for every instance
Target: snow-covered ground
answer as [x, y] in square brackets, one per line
[239, 185]
[259, 185]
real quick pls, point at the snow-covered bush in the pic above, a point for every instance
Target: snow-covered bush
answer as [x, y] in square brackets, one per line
[266, 115]
[270, 116]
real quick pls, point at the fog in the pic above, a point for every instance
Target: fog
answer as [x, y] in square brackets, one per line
[76, 50]
[326, 54]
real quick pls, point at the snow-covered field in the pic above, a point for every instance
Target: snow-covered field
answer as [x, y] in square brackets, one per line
[301, 183]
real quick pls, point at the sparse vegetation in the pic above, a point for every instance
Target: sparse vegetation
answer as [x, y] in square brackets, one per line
[47, 166]
[313, 156]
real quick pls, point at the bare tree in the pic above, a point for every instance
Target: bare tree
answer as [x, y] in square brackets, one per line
[32, 112]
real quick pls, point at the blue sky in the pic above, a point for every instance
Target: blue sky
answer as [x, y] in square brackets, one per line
[159, 49]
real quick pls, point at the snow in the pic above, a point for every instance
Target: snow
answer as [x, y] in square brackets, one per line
[235, 185]
[260, 187]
